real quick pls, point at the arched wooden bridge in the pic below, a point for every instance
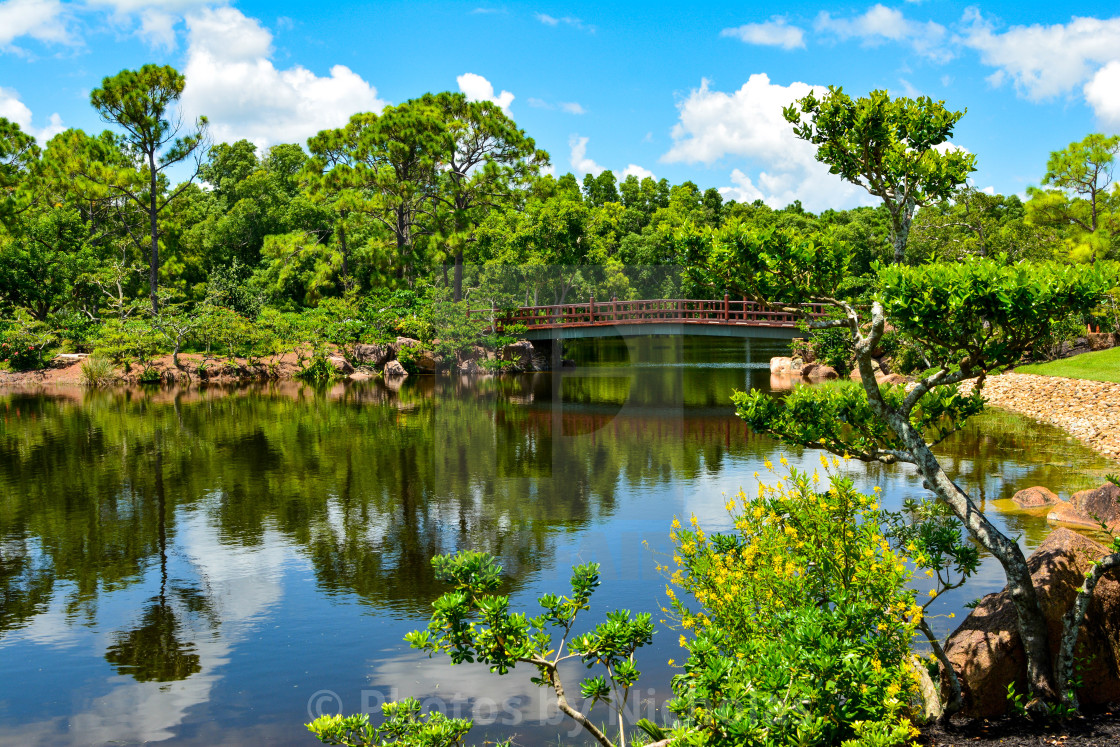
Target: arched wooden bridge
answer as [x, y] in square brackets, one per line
[726, 317]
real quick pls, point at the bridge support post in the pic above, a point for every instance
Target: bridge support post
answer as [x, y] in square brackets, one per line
[557, 353]
[747, 345]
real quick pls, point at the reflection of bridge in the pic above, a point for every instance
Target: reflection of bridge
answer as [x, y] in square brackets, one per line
[724, 317]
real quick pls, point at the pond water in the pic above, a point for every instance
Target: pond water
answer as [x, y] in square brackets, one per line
[207, 567]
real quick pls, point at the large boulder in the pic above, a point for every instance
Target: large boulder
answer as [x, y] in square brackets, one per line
[986, 649]
[394, 370]
[1034, 497]
[519, 355]
[1087, 508]
[470, 353]
[1101, 340]
[786, 365]
[819, 372]
[407, 342]
[468, 367]
[375, 355]
[340, 365]
[427, 362]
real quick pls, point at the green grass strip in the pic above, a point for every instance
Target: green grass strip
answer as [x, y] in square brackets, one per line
[1103, 365]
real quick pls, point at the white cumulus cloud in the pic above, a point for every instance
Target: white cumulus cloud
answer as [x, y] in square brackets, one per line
[1044, 61]
[773, 33]
[1103, 94]
[747, 125]
[12, 109]
[232, 80]
[478, 88]
[880, 24]
[581, 164]
[43, 20]
[636, 170]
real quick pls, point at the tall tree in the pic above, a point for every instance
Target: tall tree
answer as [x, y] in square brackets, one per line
[889, 147]
[383, 166]
[138, 101]
[485, 159]
[19, 156]
[1084, 202]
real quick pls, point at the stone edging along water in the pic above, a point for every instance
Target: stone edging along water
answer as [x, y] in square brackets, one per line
[1088, 410]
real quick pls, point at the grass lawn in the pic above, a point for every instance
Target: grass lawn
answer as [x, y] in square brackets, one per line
[1103, 365]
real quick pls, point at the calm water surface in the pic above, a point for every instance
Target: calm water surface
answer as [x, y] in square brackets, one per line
[202, 567]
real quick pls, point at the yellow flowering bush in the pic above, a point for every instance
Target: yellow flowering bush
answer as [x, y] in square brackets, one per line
[802, 620]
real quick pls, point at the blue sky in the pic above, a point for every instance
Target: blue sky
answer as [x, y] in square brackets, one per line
[645, 88]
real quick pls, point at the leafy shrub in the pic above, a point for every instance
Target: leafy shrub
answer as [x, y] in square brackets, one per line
[341, 323]
[25, 342]
[76, 331]
[404, 725]
[804, 621]
[123, 342]
[407, 357]
[319, 369]
[150, 376]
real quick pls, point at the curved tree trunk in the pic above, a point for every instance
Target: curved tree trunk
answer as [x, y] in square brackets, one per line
[1032, 624]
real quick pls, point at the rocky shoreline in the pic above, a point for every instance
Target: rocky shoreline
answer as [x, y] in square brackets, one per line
[1088, 410]
[391, 361]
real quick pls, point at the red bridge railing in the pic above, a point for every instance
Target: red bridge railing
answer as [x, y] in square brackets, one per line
[740, 312]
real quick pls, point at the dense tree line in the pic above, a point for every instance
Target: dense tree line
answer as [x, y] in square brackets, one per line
[436, 201]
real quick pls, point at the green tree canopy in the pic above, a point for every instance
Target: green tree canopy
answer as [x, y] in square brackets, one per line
[893, 148]
[1083, 202]
[139, 102]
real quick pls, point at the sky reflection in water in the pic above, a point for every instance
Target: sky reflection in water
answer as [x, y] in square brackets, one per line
[193, 567]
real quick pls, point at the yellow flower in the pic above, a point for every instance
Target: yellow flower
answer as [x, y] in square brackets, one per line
[932, 593]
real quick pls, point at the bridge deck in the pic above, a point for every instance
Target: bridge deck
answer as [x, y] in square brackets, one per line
[667, 316]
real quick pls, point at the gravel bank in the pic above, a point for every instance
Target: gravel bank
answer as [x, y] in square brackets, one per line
[1088, 410]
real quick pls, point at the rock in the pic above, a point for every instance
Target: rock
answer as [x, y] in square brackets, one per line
[520, 355]
[1086, 506]
[892, 379]
[986, 650]
[786, 365]
[468, 367]
[360, 376]
[1101, 340]
[471, 353]
[819, 372]
[1034, 497]
[541, 362]
[407, 342]
[340, 365]
[394, 370]
[375, 355]
[427, 362]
